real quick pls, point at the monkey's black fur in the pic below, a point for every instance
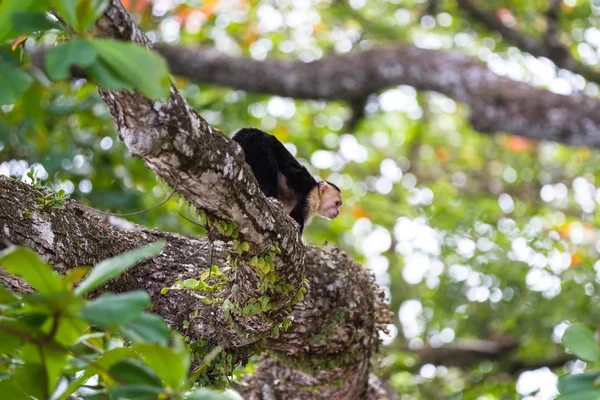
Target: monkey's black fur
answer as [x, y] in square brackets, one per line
[268, 157]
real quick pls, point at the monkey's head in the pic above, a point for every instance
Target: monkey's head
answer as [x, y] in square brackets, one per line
[331, 200]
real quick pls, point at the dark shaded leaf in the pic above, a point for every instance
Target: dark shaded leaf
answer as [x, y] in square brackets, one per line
[133, 372]
[169, 364]
[8, 8]
[112, 308]
[135, 392]
[104, 76]
[146, 328]
[574, 383]
[13, 82]
[10, 391]
[102, 363]
[76, 51]
[8, 342]
[580, 340]
[145, 70]
[30, 379]
[587, 395]
[32, 21]
[80, 14]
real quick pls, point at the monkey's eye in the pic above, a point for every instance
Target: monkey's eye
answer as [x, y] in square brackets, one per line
[338, 203]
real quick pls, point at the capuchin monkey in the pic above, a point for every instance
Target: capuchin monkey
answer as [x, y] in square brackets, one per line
[282, 177]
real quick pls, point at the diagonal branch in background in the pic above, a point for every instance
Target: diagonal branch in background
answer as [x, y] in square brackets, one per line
[498, 103]
[549, 47]
[502, 351]
[70, 237]
[552, 23]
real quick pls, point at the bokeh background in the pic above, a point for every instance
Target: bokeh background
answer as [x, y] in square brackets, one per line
[486, 244]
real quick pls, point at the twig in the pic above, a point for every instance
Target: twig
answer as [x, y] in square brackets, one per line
[46, 378]
[64, 23]
[358, 112]
[92, 347]
[431, 9]
[133, 213]
[552, 22]
[196, 252]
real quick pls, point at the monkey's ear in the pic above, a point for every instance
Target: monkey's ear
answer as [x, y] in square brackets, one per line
[323, 186]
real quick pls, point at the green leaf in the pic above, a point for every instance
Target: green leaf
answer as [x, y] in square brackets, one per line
[10, 391]
[102, 363]
[132, 372]
[7, 298]
[113, 267]
[580, 340]
[112, 308]
[171, 365]
[586, 395]
[30, 379]
[146, 328]
[32, 21]
[69, 330]
[24, 262]
[135, 392]
[88, 11]
[66, 9]
[75, 275]
[190, 283]
[54, 362]
[9, 342]
[8, 8]
[13, 82]
[103, 76]
[145, 70]
[574, 383]
[207, 394]
[76, 51]
[79, 14]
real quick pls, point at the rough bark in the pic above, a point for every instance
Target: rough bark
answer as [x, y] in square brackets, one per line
[209, 171]
[334, 331]
[497, 103]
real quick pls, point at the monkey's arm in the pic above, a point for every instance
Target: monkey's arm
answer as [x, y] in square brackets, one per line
[299, 213]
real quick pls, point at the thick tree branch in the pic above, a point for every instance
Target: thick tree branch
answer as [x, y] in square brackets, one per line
[180, 146]
[498, 103]
[502, 350]
[548, 47]
[343, 307]
[552, 23]
[209, 171]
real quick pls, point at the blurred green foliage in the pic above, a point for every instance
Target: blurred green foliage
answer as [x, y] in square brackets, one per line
[476, 237]
[56, 345]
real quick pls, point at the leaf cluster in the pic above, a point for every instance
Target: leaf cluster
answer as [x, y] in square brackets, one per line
[54, 342]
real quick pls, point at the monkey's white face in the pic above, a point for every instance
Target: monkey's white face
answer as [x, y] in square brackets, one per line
[331, 201]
